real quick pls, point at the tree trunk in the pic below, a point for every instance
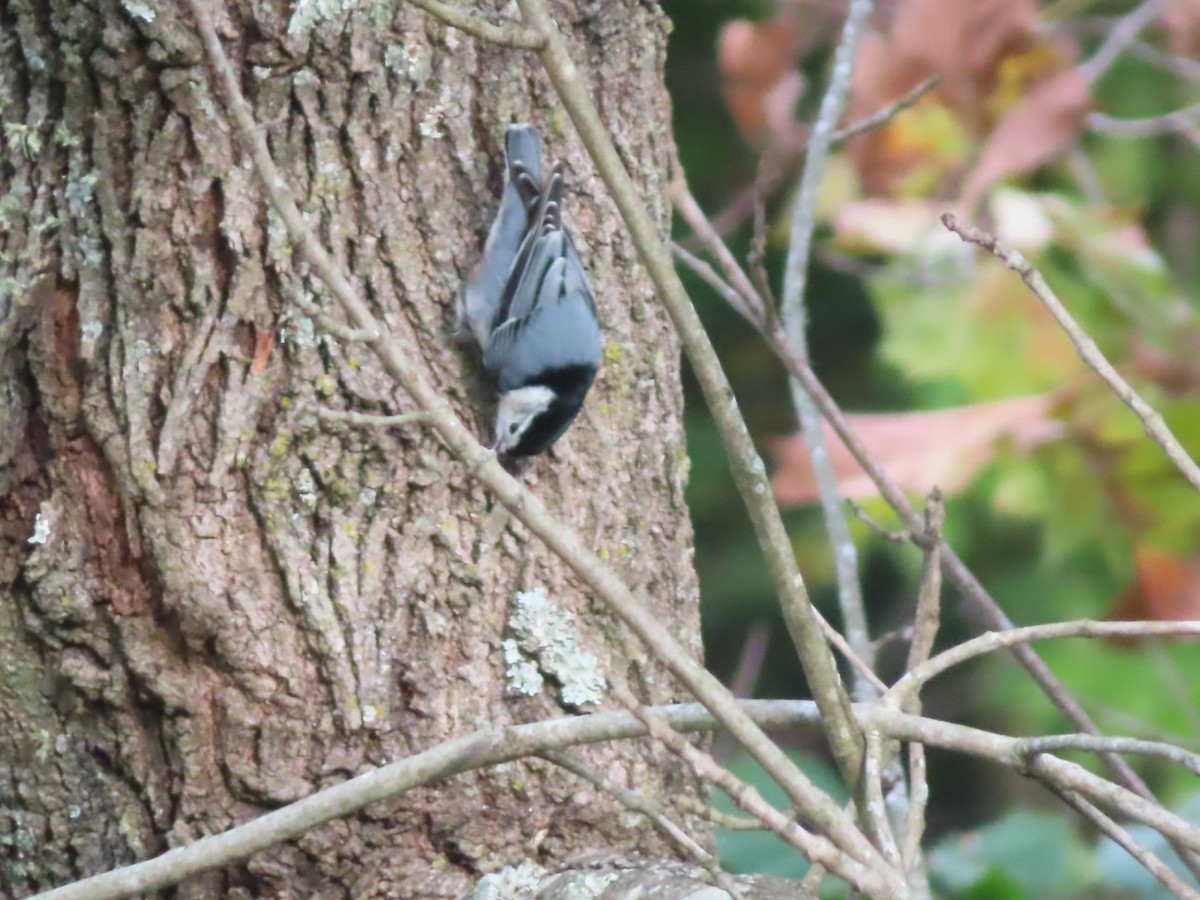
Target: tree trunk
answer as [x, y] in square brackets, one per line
[213, 602]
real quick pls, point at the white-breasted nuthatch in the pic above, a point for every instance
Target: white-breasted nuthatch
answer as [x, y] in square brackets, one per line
[529, 307]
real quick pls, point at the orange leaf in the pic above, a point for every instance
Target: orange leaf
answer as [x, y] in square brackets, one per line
[918, 450]
[1165, 588]
[757, 62]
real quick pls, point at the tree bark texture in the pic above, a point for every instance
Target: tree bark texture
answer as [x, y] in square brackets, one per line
[212, 602]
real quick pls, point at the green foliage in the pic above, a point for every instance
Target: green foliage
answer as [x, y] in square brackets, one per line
[1023, 855]
[913, 320]
[1036, 854]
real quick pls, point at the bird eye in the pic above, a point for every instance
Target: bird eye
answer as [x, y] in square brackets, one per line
[512, 429]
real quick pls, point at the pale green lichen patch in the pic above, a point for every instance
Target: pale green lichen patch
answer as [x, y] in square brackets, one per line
[547, 640]
[308, 13]
[510, 882]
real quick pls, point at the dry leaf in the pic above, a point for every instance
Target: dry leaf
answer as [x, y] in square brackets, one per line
[758, 75]
[1000, 96]
[1182, 21]
[1165, 588]
[1041, 126]
[918, 450]
[963, 41]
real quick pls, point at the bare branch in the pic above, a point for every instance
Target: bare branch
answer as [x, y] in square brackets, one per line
[749, 471]
[1065, 775]
[927, 616]
[926, 619]
[752, 306]
[1120, 38]
[998, 640]
[510, 35]
[709, 276]
[794, 313]
[501, 744]
[370, 420]
[875, 814]
[1087, 349]
[955, 569]
[1054, 743]
[1183, 121]
[1148, 127]
[813, 846]
[896, 537]
[885, 115]
[742, 206]
[724, 820]
[1155, 866]
[643, 805]
[843, 647]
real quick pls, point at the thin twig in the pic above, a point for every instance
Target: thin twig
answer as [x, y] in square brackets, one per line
[709, 276]
[885, 115]
[748, 469]
[639, 803]
[903, 536]
[813, 846]
[1122, 838]
[927, 616]
[1147, 127]
[1124, 33]
[752, 306]
[327, 323]
[742, 206]
[1087, 349]
[509, 35]
[794, 312]
[1182, 66]
[1070, 776]
[756, 257]
[370, 420]
[1055, 743]
[875, 815]
[992, 641]
[723, 820]
[918, 802]
[526, 507]
[1067, 775]
[857, 662]
[492, 746]
[926, 620]
[1183, 121]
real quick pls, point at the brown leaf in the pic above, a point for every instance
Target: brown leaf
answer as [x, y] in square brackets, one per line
[962, 41]
[991, 56]
[918, 450]
[1038, 128]
[1165, 588]
[1182, 21]
[757, 61]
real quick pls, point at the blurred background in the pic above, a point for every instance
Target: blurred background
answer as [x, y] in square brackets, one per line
[1072, 130]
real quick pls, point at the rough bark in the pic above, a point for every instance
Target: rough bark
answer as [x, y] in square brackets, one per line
[228, 602]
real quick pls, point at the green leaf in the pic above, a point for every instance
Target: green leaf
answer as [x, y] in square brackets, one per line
[1025, 854]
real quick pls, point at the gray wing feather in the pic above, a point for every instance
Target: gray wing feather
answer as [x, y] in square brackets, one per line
[523, 172]
[561, 331]
[547, 312]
